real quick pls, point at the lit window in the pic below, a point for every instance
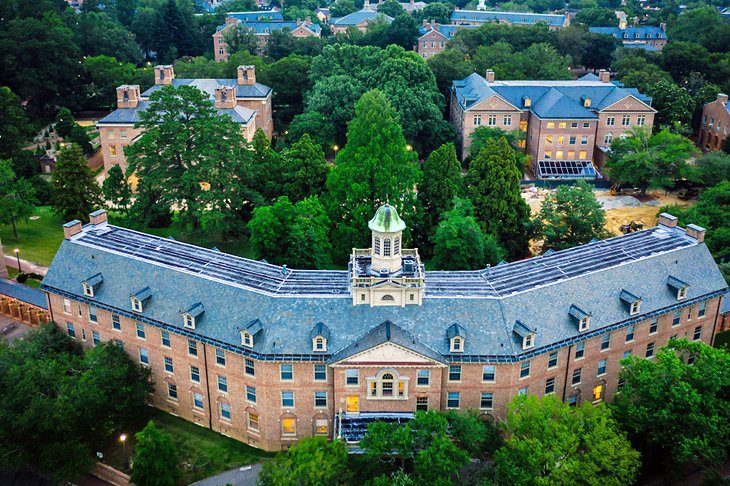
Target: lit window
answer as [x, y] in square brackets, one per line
[525, 369]
[553, 360]
[144, 356]
[582, 155]
[630, 333]
[486, 401]
[601, 367]
[195, 374]
[321, 427]
[549, 140]
[112, 150]
[352, 377]
[598, 392]
[649, 350]
[489, 373]
[677, 318]
[422, 404]
[523, 125]
[116, 323]
[140, 330]
[286, 371]
[226, 411]
[559, 154]
[550, 124]
[423, 378]
[561, 138]
[287, 399]
[571, 154]
[452, 400]
[455, 373]
[92, 314]
[698, 333]
[549, 386]
[251, 394]
[320, 372]
[288, 426]
[192, 347]
[548, 154]
[198, 400]
[253, 422]
[220, 357]
[577, 376]
[605, 342]
[320, 399]
[562, 125]
[580, 349]
[168, 365]
[172, 391]
[222, 383]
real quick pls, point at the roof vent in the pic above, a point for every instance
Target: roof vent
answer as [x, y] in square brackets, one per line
[384, 271]
[284, 270]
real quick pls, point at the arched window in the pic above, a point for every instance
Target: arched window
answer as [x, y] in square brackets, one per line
[388, 385]
[388, 298]
[386, 247]
[125, 95]
[162, 74]
[377, 245]
[396, 246]
[245, 75]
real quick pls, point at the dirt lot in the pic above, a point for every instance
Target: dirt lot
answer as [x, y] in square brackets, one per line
[619, 209]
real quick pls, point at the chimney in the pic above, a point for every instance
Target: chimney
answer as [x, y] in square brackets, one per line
[246, 75]
[128, 96]
[231, 21]
[696, 232]
[308, 21]
[666, 219]
[98, 217]
[566, 21]
[71, 228]
[435, 25]
[604, 75]
[490, 76]
[164, 74]
[225, 97]
[663, 26]
[366, 5]
[722, 98]
[299, 22]
[425, 23]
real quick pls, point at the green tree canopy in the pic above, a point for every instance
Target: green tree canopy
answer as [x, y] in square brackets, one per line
[15, 127]
[493, 186]
[550, 442]
[16, 197]
[103, 75]
[391, 8]
[481, 134]
[76, 193]
[597, 17]
[676, 406]
[304, 169]
[116, 189]
[673, 103]
[155, 458]
[713, 168]
[570, 216]
[313, 461]
[374, 167]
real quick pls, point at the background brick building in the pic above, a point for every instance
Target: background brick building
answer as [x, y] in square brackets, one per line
[715, 124]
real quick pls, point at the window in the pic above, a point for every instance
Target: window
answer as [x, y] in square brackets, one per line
[561, 139]
[251, 394]
[288, 426]
[198, 400]
[95, 338]
[553, 360]
[192, 347]
[507, 120]
[528, 341]
[562, 125]
[249, 367]
[88, 289]
[625, 120]
[452, 400]
[144, 356]
[702, 310]
[489, 373]
[222, 383]
[689, 313]
[320, 372]
[586, 125]
[574, 125]
[377, 245]
[522, 391]
[477, 120]
[486, 401]
[396, 246]
[287, 372]
[112, 150]
[172, 391]
[66, 306]
[549, 140]
[123, 133]
[548, 154]
[287, 399]
[195, 374]
[580, 350]
[654, 326]
[455, 373]
[611, 121]
[583, 140]
[582, 155]
[226, 411]
[697, 334]
[571, 140]
[319, 344]
[605, 342]
[168, 365]
[598, 392]
[352, 377]
[635, 307]
[253, 422]
[78, 309]
[649, 350]
[549, 386]
[220, 357]
[601, 367]
[136, 304]
[119, 343]
[456, 344]
[577, 376]
[320, 399]
[247, 339]
[321, 427]
[677, 318]
[83, 334]
[571, 154]
[422, 404]
[525, 369]
[559, 154]
[423, 378]
[165, 338]
[551, 124]
[641, 120]
[630, 333]
[523, 125]
[116, 323]
[386, 247]
[682, 293]
[608, 138]
[573, 400]
[140, 330]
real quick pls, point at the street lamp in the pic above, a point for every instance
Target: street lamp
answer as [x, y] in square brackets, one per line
[123, 438]
[17, 256]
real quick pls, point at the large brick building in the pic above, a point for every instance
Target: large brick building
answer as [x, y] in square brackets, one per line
[648, 37]
[568, 125]
[715, 124]
[479, 17]
[243, 99]
[268, 354]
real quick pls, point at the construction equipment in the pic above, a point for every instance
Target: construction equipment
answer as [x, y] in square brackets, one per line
[632, 227]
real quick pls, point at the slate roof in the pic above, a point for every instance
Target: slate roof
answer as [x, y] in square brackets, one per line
[24, 293]
[486, 303]
[271, 16]
[550, 99]
[265, 28]
[640, 45]
[631, 33]
[256, 90]
[512, 17]
[239, 114]
[355, 18]
[448, 31]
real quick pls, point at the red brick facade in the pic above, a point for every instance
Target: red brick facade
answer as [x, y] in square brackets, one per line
[715, 124]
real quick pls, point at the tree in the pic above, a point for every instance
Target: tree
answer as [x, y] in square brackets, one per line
[726, 146]
[103, 75]
[550, 442]
[289, 78]
[684, 391]
[597, 17]
[569, 217]
[239, 38]
[448, 66]
[155, 458]
[374, 167]
[481, 134]
[312, 461]
[673, 104]
[67, 128]
[440, 184]
[473, 433]
[340, 8]
[304, 169]
[267, 164]
[643, 160]
[116, 189]
[16, 197]
[75, 190]
[439, 12]
[493, 186]
[460, 243]
[14, 124]
[316, 125]
[713, 167]
[96, 34]
[391, 8]
[440, 462]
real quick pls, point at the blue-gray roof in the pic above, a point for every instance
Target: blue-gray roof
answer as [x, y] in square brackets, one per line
[271, 15]
[447, 30]
[256, 90]
[355, 18]
[486, 303]
[631, 33]
[640, 45]
[263, 28]
[549, 99]
[23, 293]
[239, 114]
[511, 17]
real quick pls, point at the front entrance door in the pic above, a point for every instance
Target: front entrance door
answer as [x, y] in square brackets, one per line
[353, 404]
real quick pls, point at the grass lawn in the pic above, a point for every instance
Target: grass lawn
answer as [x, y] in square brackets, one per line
[31, 282]
[202, 452]
[38, 240]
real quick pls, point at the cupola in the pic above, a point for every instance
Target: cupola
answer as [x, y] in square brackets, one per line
[387, 236]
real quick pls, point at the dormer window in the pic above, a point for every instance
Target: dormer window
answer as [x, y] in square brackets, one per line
[248, 334]
[527, 333]
[584, 324]
[138, 299]
[679, 286]
[527, 102]
[635, 308]
[586, 101]
[528, 341]
[682, 293]
[457, 345]
[319, 335]
[457, 338]
[88, 290]
[633, 302]
[136, 304]
[190, 316]
[581, 317]
[247, 339]
[91, 284]
[188, 321]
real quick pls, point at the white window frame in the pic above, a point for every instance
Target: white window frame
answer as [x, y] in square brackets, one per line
[88, 289]
[136, 304]
[457, 344]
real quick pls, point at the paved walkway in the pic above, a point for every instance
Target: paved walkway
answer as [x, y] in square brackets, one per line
[25, 265]
[243, 476]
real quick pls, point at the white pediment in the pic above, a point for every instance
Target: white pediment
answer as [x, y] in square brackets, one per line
[388, 353]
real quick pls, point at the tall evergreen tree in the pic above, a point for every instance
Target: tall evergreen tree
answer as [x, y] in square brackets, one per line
[116, 190]
[374, 167]
[304, 169]
[267, 166]
[75, 190]
[493, 185]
